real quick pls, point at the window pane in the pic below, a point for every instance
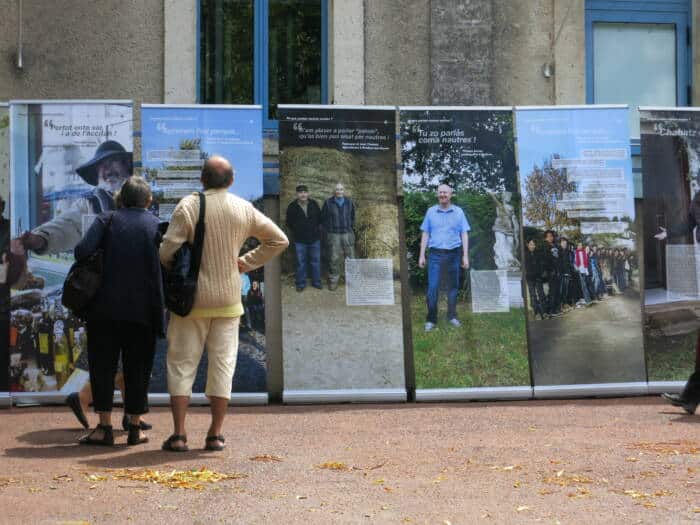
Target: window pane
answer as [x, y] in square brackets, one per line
[295, 53]
[634, 64]
[226, 52]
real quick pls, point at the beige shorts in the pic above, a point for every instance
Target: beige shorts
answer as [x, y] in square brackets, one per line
[186, 340]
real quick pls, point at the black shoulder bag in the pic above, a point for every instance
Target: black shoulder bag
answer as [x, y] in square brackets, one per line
[84, 279]
[180, 281]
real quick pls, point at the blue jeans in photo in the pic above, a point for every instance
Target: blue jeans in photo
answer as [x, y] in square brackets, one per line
[443, 264]
[584, 287]
[308, 255]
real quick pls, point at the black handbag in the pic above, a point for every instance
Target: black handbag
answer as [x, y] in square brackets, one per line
[180, 281]
[84, 279]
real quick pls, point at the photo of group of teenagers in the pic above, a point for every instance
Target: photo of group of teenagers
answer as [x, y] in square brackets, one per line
[564, 274]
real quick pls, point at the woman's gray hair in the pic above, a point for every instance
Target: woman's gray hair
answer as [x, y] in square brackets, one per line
[134, 193]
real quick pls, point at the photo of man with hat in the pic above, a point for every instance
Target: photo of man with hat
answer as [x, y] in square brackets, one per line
[106, 172]
[304, 221]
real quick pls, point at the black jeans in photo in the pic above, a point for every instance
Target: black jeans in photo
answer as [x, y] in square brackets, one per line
[137, 345]
[537, 298]
[553, 294]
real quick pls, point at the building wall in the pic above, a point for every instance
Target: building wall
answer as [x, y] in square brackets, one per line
[180, 51]
[83, 49]
[397, 52]
[492, 52]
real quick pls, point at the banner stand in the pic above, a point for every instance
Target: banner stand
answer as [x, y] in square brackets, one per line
[591, 390]
[659, 387]
[160, 399]
[499, 393]
[350, 395]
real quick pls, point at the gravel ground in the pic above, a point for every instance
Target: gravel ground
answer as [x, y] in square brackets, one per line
[632, 460]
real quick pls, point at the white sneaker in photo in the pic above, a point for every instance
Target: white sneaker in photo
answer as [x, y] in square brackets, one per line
[429, 326]
[455, 322]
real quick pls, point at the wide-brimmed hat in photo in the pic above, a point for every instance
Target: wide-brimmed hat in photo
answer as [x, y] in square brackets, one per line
[107, 150]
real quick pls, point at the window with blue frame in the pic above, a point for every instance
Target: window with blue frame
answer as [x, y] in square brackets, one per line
[266, 52]
[638, 53]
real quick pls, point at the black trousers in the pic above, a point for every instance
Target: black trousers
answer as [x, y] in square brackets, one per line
[537, 298]
[137, 345]
[553, 297]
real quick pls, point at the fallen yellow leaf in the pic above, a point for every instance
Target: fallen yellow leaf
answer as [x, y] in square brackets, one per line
[95, 477]
[265, 458]
[333, 465]
[176, 479]
[669, 448]
[522, 508]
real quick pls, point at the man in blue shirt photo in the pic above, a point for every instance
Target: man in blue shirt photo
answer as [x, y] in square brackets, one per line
[446, 233]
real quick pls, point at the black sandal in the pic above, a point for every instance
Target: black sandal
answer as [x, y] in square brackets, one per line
[168, 444]
[135, 436]
[107, 439]
[209, 443]
[144, 425]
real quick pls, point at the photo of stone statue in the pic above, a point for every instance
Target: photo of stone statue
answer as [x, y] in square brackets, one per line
[506, 228]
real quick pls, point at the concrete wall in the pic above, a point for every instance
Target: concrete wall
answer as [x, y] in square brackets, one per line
[569, 52]
[347, 52]
[492, 52]
[397, 52]
[522, 43]
[180, 51]
[462, 51]
[83, 49]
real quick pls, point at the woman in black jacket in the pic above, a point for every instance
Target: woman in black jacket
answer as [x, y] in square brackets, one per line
[126, 315]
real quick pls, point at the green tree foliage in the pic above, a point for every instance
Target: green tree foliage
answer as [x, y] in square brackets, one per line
[430, 160]
[544, 187]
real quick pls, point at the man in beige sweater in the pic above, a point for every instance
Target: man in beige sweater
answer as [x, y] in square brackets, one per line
[217, 309]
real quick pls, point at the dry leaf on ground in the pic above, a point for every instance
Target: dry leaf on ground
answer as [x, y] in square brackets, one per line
[265, 458]
[177, 479]
[668, 447]
[567, 480]
[333, 465]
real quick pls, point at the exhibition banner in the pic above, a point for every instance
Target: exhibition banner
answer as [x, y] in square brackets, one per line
[4, 245]
[670, 148]
[341, 294]
[581, 237]
[67, 161]
[176, 140]
[461, 204]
